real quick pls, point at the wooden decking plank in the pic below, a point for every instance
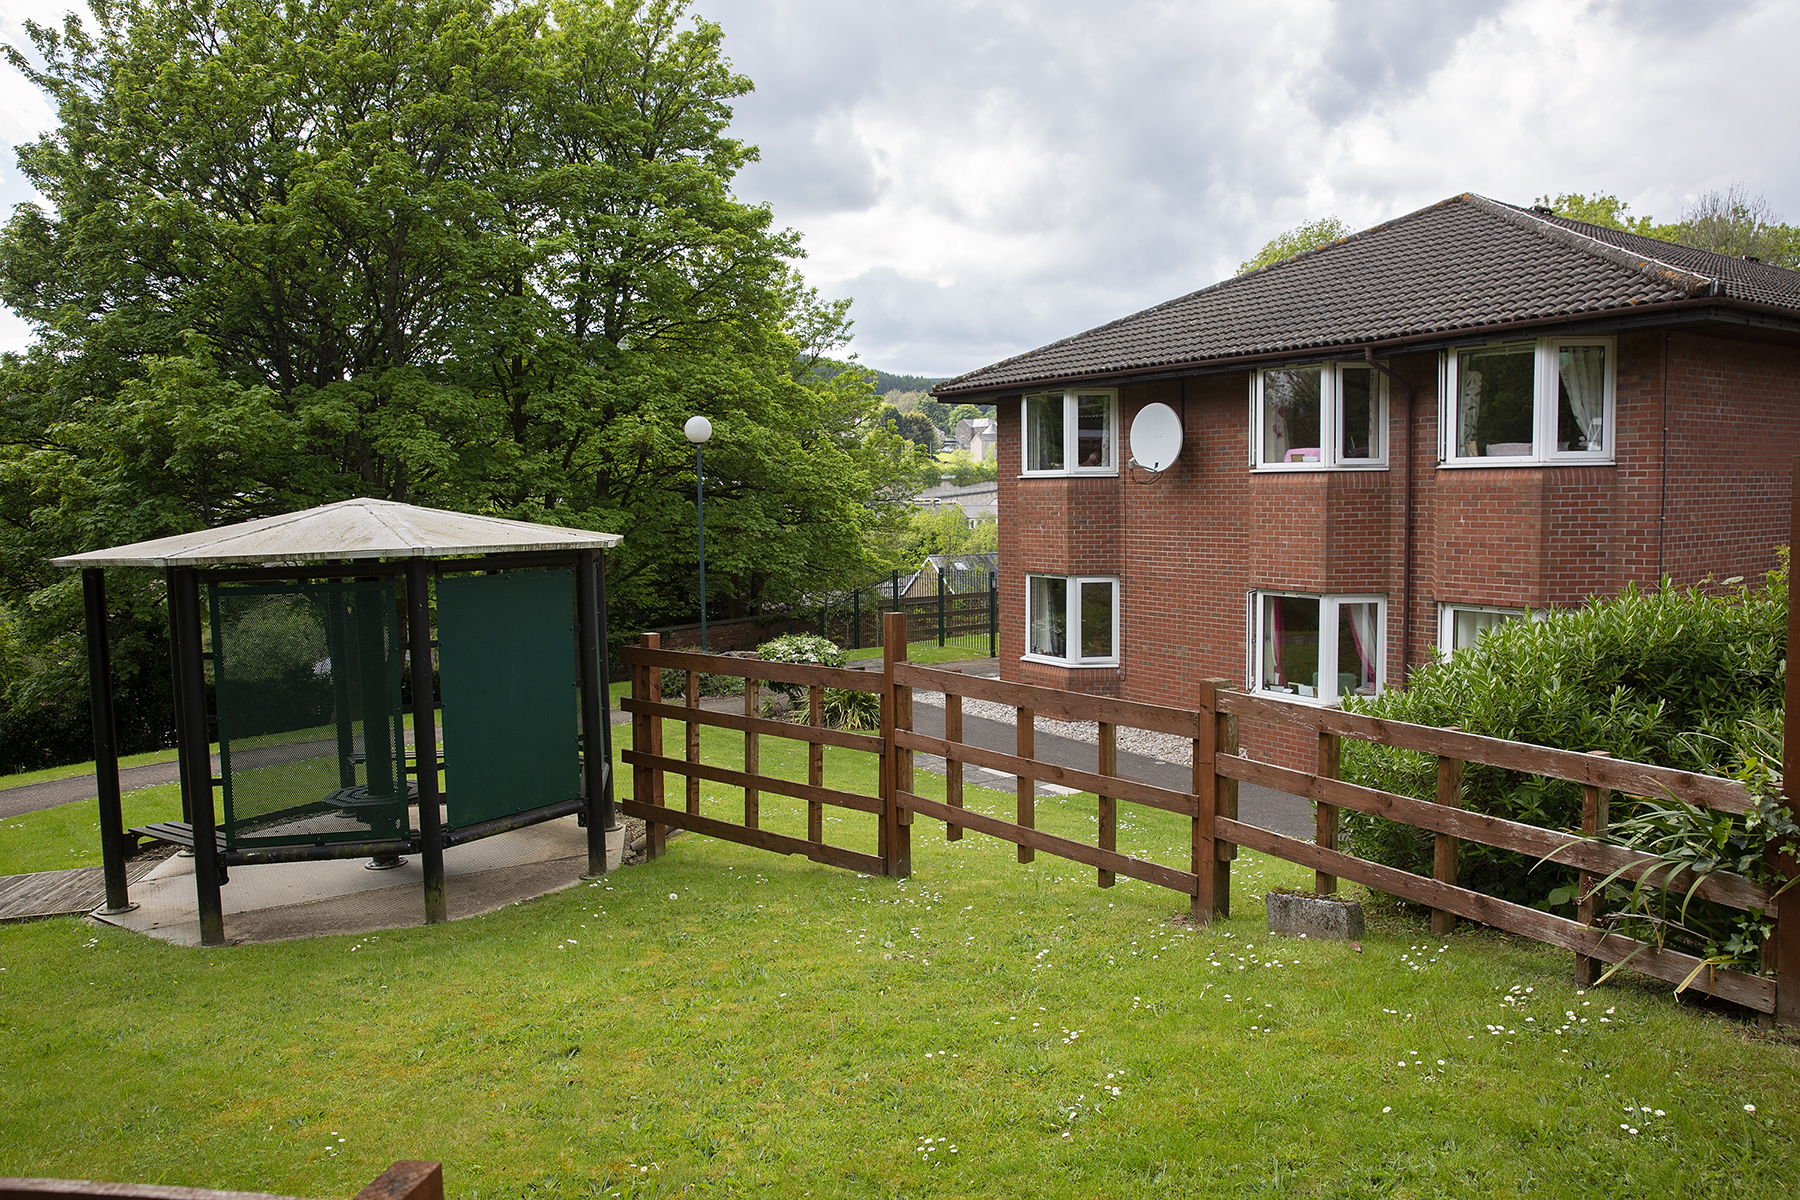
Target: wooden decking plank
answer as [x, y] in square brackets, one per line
[61, 893]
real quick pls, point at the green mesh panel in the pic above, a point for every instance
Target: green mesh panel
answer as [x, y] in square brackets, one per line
[506, 663]
[308, 697]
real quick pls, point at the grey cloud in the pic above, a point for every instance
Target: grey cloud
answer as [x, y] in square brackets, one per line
[1377, 49]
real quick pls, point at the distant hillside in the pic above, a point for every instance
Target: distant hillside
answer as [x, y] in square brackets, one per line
[885, 383]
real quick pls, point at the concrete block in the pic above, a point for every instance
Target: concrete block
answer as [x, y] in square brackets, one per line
[1303, 914]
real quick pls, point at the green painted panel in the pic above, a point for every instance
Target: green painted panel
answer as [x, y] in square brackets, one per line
[506, 667]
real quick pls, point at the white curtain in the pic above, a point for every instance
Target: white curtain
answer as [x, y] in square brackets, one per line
[1361, 621]
[1468, 407]
[1583, 370]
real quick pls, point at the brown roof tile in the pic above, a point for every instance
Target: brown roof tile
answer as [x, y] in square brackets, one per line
[1462, 264]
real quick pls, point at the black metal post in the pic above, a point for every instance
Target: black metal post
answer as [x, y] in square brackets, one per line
[700, 506]
[425, 749]
[338, 646]
[196, 777]
[940, 608]
[856, 619]
[106, 742]
[993, 614]
[597, 756]
[175, 684]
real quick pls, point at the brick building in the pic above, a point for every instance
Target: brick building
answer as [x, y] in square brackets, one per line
[1386, 445]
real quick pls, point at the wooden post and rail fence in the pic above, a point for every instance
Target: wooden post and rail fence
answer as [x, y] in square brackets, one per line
[1209, 805]
[402, 1181]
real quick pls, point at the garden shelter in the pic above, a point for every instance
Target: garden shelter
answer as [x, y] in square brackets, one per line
[302, 643]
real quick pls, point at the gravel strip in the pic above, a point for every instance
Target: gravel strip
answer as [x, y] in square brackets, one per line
[1165, 747]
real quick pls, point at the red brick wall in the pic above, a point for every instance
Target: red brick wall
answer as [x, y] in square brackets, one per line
[1189, 545]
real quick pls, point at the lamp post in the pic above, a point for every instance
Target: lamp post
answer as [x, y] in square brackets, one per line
[698, 429]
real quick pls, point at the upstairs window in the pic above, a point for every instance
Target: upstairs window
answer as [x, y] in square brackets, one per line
[1072, 621]
[1545, 401]
[1319, 416]
[1072, 433]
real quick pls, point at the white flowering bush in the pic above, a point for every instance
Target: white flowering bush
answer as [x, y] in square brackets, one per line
[844, 709]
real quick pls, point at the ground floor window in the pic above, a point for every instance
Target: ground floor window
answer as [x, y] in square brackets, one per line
[1321, 648]
[1072, 619]
[1462, 625]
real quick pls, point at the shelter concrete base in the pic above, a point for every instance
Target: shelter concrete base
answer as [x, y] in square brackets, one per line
[281, 901]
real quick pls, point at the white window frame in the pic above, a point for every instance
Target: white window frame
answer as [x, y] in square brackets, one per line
[1328, 647]
[1072, 621]
[1544, 409]
[1330, 419]
[1447, 611]
[1071, 401]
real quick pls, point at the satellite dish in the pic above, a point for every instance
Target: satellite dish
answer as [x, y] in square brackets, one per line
[1155, 437]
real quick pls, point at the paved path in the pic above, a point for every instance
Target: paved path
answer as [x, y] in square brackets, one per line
[52, 792]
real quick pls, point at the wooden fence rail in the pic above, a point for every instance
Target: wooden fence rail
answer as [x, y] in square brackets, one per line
[402, 1181]
[1209, 804]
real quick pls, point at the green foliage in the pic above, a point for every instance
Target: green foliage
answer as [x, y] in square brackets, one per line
[1677, 677]
[1598, 209]
[885, 383]
[961, 469]
[1301, 238]
[674, 683]
[844, 709]
[1732, 222]
[464, 253]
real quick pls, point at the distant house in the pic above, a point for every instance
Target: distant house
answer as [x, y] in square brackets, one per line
[961, 573]
[975, 499]
[1387, 445]
[978, 435]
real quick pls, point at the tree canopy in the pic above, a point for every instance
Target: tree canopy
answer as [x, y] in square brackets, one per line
[464, 253]
[1730, 222]
[1297, 240]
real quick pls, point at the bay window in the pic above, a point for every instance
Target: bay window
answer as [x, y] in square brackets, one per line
[1545, 401]
[1320, 648]
[1318, 416]
[1072, 620]
[1071, 433]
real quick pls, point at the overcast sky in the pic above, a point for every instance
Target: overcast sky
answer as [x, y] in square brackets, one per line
[986, 177]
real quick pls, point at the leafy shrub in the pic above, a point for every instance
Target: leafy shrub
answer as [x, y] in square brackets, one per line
[1672, 676]
[844, 709]
[674, 683]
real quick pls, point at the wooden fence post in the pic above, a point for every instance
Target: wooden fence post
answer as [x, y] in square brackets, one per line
[1325, 819]
[815, 763]
[953, 768]
[692, 754]
[1226, 798]
[1446, 849]
[1781, 956]
[1589, 907]
[1202, 857]
[896, 713]
[646, 738]
[1025, 790]
[752, 753]
[1210, 857]
[1108, 805]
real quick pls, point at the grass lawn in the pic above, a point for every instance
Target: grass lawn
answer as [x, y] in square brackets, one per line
[727, 1022]
[927, 652]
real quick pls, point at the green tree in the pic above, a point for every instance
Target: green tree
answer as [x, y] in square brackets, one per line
[1598, 209]
[1301, 238]
[464, 253]
[1731, 222]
